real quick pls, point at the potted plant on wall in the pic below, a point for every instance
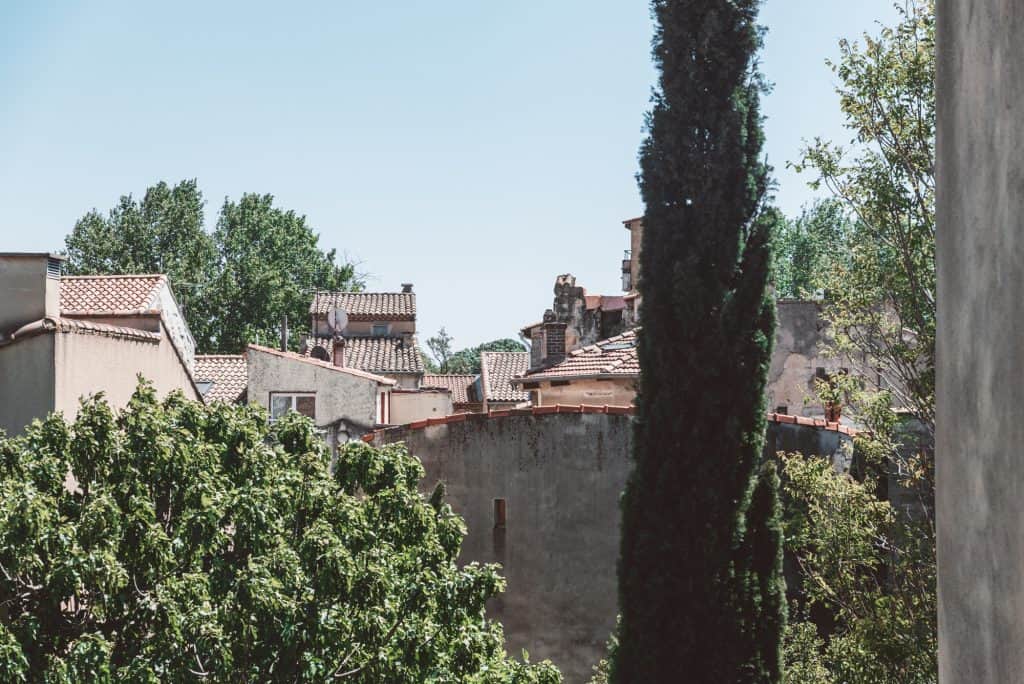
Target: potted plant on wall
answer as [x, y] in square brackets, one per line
[831, 394]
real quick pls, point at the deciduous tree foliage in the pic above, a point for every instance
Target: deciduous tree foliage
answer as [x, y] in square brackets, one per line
[259, 264]
[700, 569]
[199, 543]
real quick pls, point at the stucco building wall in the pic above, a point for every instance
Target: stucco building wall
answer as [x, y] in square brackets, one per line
[980, 360]
[588, 393]
[338, 394]
[87, 364]
[26, 382]
[408, 407]
[560, 476]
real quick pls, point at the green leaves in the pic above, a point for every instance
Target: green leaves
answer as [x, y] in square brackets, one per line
[234, 284]
[201, 542]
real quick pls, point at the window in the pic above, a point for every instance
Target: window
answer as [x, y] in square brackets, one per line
[283, 402]
[499, 514]
[380, 330]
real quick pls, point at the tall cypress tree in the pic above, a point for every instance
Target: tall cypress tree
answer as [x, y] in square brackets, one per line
[700, 567]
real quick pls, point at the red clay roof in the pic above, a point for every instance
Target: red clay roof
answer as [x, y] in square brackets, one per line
[615, 356]
[457, 385]
[229, 376]
[497, 370]
[374, 354]
[110, 294]
[325, 364]
[367, 306]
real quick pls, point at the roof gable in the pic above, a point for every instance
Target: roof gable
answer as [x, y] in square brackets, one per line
[110, 294]
[497, 370]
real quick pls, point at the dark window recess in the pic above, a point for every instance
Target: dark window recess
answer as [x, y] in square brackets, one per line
[306, 406]
[499, 514]
[53, 269]
[784, 410]
[819, 373]
[320, 354]
[559, 383]
[531, 385]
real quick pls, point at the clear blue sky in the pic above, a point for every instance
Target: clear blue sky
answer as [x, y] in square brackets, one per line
[476, 149]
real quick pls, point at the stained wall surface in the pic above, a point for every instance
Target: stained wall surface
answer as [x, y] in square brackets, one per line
[980, 255]
[560, 476]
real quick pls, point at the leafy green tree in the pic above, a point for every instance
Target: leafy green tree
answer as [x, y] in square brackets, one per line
[162, 233]
[440, 346]
[197, 542]
[866, 566]
[270, 263]
[881, 311]
[808, 247]
[261, 263]
[882, 298]
[467, 361]
[700, 567]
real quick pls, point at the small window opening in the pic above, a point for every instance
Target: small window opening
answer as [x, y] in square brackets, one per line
[499, 514]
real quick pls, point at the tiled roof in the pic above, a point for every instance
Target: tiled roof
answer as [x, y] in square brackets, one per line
[229, 376]
[458, 385]
[615, 356]
[358, 372]
[497, 369]
[110, 294]
[374, 354]
[367, 306]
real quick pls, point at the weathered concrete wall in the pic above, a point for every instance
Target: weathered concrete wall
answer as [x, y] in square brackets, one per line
[799, 333]
[560, 475]
[980, 476]
[28, 293]
[87, 364]
[339, 395]
[26, 382]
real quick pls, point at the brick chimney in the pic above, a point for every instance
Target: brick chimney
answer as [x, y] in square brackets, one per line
[554, 339]
[338, 352]
[30, 284]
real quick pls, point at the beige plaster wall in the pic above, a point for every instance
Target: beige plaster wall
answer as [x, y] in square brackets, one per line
[28, 294]
[365, 328]
[799, 333]
[26, 382]
[589, 393]
[339, 395]
[86, 364]
[407, 407]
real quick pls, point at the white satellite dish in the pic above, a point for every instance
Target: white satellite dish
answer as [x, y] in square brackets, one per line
[337, 319]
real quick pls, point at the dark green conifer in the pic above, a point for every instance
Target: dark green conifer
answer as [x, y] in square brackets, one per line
[700, 568]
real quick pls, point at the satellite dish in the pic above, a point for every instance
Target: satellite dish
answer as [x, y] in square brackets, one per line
[337, 319]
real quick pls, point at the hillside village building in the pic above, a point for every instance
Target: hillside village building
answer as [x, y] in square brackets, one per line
[66, 337]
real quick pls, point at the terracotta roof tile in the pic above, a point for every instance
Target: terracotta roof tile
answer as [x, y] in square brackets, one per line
[374, 354]
[615, 356]
[458, 385]
[498, 369]
[229, 376]
[121, 294]
[367, 306]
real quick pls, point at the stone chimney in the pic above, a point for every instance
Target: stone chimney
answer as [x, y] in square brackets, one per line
[406, 288]
[30, 284]
[338, 352]
[554, 339]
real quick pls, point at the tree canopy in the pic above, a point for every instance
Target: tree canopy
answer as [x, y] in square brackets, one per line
[465, 361]
[201, 542]
[700, 583]
[235, 283]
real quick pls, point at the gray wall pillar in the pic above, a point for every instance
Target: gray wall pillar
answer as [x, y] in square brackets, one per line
[980, 420]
